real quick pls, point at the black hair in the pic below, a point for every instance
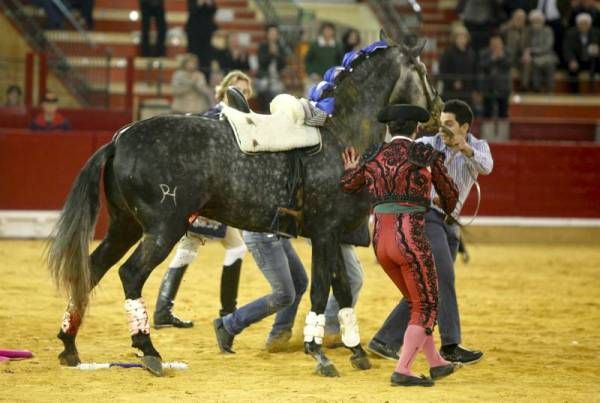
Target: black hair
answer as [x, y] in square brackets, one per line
[461, 110]
[404, 128]
[326, 24]
[14, 88]
[271, 25]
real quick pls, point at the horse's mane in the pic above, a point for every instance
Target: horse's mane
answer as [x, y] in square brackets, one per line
[352, 66]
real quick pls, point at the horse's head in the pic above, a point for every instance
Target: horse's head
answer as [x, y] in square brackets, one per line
[412, 85]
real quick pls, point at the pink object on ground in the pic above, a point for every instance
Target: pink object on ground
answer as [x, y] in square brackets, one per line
[16, 353]
[4, 359]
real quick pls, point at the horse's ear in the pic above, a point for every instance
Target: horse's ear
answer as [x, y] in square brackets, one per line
[418, 48]
[385, 37]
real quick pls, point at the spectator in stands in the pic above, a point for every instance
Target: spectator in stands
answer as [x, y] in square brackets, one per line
[322, 53]
[239, 54]
[86, 10]
[153, 9]
[200, 28]
[458, 69]
[514, 33]
[351, 40]
[481, 17]
[221, 53]
[582, 50]
[539, 59]
[555, 12]
[191, 93]
[13, 97]
[495, 78]
[54, 17]
[272, 59]
[49, 118]
[234, 78]
[585, 6]
[510, 6]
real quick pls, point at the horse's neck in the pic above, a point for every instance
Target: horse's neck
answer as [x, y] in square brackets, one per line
[357, 103]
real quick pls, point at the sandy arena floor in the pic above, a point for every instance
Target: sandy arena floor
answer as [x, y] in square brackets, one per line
[534, 310]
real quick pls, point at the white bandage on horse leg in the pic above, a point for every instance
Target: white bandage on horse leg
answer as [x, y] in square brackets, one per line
[314, 328]
[71, 320]
[137, 315]
[349, 327]
[233, 254]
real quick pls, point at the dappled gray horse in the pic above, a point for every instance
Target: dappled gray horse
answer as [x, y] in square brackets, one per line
[161, 171]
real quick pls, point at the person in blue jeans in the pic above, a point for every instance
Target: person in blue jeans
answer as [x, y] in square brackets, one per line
[282, 268]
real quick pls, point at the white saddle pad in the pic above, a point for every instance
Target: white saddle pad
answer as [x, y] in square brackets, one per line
[256, 132]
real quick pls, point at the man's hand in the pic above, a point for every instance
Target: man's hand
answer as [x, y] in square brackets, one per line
[350, 158]
[458, 143]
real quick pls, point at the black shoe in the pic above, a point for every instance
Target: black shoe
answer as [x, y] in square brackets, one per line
[224, 339]
[407, 380]
[167, 319]
[444, 370]
[460, 354]
[383, 350]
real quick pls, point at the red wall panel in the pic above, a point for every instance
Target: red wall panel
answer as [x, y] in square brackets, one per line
[529, 179]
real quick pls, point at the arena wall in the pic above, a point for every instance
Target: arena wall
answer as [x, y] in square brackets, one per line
[549, 180]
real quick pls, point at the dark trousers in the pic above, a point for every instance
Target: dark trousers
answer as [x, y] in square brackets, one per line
[592, 66]
[489, 103]
[156, 12]
[444, 245]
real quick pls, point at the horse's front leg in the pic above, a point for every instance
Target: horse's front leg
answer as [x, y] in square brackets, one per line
[323, 262]
[346, 315]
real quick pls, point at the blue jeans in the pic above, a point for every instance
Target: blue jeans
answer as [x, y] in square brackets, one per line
[284, 271]
[444, 241]
[355, 280]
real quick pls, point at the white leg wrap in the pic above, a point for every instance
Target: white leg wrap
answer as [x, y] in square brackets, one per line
[349, 327]
[233, 254]
[314, 328]
[137, 315]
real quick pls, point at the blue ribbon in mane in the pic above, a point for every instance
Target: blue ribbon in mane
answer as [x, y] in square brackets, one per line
[316, 92]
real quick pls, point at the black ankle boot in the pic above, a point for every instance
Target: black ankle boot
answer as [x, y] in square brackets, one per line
[163, 317]
[230, 281]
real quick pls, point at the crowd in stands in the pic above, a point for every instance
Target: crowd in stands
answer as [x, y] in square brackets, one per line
[494, 42]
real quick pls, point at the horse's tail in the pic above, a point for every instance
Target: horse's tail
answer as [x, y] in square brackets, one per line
[68, 253]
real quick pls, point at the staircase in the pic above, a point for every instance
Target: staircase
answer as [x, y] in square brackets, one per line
[118, 30]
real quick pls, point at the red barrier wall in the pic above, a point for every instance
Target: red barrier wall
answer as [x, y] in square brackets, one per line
[529, 179]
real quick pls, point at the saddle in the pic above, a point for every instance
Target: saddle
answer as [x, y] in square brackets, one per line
[281, 131]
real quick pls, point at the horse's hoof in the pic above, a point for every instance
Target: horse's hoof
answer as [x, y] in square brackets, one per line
[328, 370]
[153, 364]
[69, 359]
[360, 362]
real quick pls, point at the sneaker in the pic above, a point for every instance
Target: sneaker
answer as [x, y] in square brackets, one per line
[224, 339]
[399, 379]
[278, 342]
[383, 350]
[461, 354]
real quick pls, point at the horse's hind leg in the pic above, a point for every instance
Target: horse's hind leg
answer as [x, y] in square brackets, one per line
[347, 316]
[123, 232]
[153, 249]
[314, 328]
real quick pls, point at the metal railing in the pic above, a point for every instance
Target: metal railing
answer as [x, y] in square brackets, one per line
[80, 64]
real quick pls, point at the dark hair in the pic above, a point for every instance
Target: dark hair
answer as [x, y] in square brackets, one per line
[461, 110]
[272, 25]
[404, 128]
[325, 25]
[14, 88]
